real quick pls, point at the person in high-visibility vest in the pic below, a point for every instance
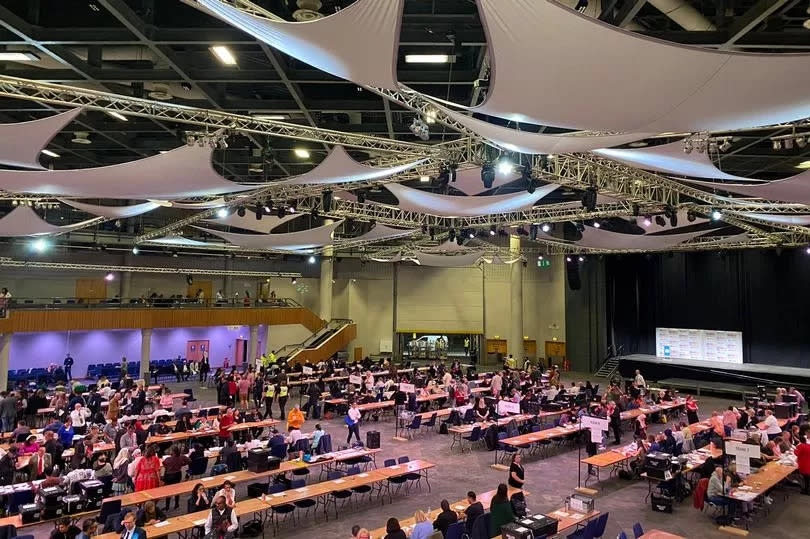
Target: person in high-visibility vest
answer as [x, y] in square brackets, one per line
[272, 358]
[467, 346]
[269, 397]
[265, 362]
[282, 397]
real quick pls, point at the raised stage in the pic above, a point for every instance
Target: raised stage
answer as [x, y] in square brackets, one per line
[712, 374]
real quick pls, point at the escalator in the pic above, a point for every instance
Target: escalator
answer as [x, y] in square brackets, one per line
[321, 345]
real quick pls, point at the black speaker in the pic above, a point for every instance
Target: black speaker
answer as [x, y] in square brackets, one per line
[572, 270]
[373, 439]
[326, 201]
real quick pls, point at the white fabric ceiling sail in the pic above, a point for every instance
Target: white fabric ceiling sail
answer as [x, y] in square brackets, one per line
[112, 212]
[249, 221]
[468, 180]
[411, 199]
[292, 241]
[359, 43]
[447, 261]
[669, 159]
[599, 238]
[21, 143]
[24, 221]
[207, 204]
[180, 241]
[180, 173]
[339, 167]
[793, 189]
[382, 232]
[548, 60]
[784, 219]
[538, 143]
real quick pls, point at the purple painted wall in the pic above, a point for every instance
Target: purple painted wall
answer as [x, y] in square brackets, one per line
[30, 350]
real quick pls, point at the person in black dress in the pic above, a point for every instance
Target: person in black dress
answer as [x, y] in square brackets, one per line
[516, 472]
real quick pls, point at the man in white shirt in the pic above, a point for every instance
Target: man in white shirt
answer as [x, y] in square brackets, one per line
[446, 379]
[638, 381]
[79, 417]
[353, 422]
[221, 519]
[771, 425]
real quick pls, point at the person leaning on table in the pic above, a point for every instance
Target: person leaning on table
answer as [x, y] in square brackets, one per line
[221, 521]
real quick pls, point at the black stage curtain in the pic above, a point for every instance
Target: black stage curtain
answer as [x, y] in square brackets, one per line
[764, 294]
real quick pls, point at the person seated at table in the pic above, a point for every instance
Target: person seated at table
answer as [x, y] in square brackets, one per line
[197, 451]
[771, 425]
[481, 409]
[668, 443]
[795, 435]
[445, 518]
[21, 432]
[150, 514]
[473, 510]
[227, 492]
[276, 438]
[719, 486]
[183, 410]
[30, 446]
[393, 530]
[89, 528]
[66, 433]
[316, 436]
[65, 529]
[423, 527]
[785, 443]
[183, 424]
[198, 501]
[771, 451]
[102, 467]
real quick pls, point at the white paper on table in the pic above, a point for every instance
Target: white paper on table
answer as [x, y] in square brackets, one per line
[161, 524]
[363, 475]
[200, 522]
[302, 489]
[278, 494]
[230, 477]
[339, 481]
[207, 479]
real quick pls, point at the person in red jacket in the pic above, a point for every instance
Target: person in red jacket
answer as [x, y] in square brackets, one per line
[224, 422]
[802, 452]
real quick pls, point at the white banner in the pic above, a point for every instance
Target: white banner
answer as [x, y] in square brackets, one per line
[506, 407]
[596, 424]
[356, 380]
[407, 388]
[306, 370]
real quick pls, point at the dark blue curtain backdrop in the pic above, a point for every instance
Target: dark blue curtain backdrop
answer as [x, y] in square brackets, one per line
[761, 293]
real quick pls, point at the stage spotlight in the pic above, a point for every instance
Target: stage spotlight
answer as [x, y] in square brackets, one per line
[505, 166]
[109, 277]
[725, 145]
[488, 175]
[807, 250]
[471, 233]
[589, 199]
[533, 232]
[581, 259]
[647, 220]
[453, 171]
[268, 206]
[222, 213]
[660, 221]
[259, 213]
[636, 210]
[280, 212]
[801, 142]
[493, 230]
[546, 227]
[240, 211]
[189, 280]
[291, 208]
[596, 224]
[326, 201]
[314, 213]
[777, 145]
[579, 226]
[311, 259]
[444, 176]
[135, 250]
[459, 239]
[788, 143]
[673, 219]
[361, 197]
[432, 233]
[293, 280]
[528, 181]
[690, 216]
[568, 259]
[40, 245]
[539, 257]
[717, 215]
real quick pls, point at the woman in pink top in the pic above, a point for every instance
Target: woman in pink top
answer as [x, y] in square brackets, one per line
[30, 446]
[717, 424]
[166, 401]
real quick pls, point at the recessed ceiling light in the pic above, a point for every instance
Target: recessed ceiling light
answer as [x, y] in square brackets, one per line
[429, 58]
[117, 115]
[18, 57]
[302, 153]
[271, 116]
[49, 153]
[224, 55]
[803, 165]
[163, 151]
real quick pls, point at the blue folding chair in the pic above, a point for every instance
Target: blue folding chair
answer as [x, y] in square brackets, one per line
[638, 531]
[601, 524]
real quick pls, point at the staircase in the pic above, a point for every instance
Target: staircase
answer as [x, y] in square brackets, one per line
[322, 345]
[608, 368]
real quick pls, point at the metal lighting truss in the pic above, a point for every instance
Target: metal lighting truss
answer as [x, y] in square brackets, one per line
[12, 263]
[69, 96]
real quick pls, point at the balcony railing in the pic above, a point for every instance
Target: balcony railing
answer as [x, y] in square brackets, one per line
[14, 304]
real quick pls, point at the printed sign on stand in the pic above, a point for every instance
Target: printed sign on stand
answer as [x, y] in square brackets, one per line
[356, 380]
[743, 454]
[506, 407]
[407, 388]
[306, 370]
[596, 425]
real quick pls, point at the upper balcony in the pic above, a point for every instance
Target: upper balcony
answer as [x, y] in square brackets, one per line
[72, 314]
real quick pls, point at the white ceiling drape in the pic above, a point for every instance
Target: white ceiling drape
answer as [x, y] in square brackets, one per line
[599, 238]
[339, 167]
[793, 189]
[181, 173]
[411, 199]
[111, 212]
[292, 241]
[554, 66]
[21, 143]
[23, 221]
[249, 221]
[359, 43]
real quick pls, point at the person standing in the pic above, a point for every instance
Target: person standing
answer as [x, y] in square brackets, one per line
[147, 471]
[269, 396]
[353, 422]
[516, 472]
[615, 416]
[639, 381]
[124, 368]
[802, 453]
[466, 347]
[691, 410]
[205, 367]
[282, 390]
[68, 365]
[8, 410]
[497, 383]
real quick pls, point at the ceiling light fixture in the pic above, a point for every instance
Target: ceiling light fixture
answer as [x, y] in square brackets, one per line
[135, 250]
[429, 58]
[505, 167]
[109, 277]
[717, 215]
[21, 56]
[546, 227]
[224, 55]
[424, 179]
[302, 153]
[222, 213]
[117, 115]
[596, 224]
[270, 117]
[40, 245]
[311, 259]
[803, 165]
[50, 153]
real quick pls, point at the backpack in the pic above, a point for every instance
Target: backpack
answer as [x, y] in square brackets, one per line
[218, 469]
[252, 528]
[491, 437]
[443, 428]
[518, 505]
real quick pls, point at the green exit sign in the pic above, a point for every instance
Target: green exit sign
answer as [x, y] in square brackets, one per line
[543, 263]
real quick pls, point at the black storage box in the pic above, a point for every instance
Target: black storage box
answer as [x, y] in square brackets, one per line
[551, 406]
[56, 511]
[514, 530]
[541, 525]
[662, 504]
[257, 460]
[658, 465]
[784, 410]
[255, 490]
[30, 513]
[73, 504]
[52, 496]
[92, 492]
[790, 398]
[273, 463]
[373, 439]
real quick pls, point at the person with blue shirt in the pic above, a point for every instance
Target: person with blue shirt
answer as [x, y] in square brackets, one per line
[423, 527]
[66, 433]
[316, 436]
